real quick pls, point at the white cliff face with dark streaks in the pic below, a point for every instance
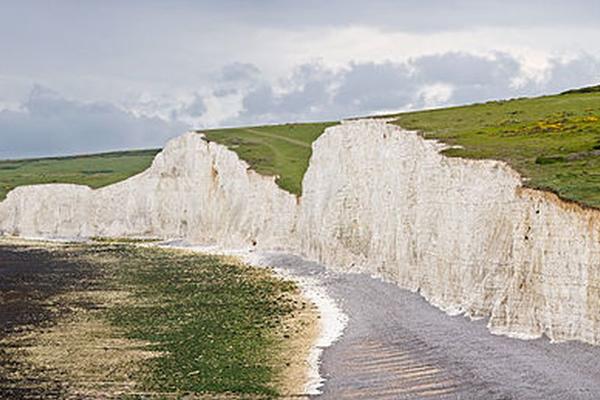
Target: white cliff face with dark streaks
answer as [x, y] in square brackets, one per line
[376, 199]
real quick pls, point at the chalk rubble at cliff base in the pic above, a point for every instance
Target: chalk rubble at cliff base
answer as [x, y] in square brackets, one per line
[376, 199]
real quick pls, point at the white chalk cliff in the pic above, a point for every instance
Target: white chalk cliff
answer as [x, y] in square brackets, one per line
[376, 198]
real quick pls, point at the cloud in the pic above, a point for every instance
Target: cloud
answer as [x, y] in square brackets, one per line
[467, 69]
[237, 71]
[49, 124]
[105, 50]
[299, 97]
[370, 87]
[435, 94]
[474, 78]
[317, 93]
[581, 71]
[114, 52]
[409, 15]
[196, 107]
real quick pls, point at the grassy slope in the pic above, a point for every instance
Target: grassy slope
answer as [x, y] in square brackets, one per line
[552, 141]
[95, 170]
[282, 150]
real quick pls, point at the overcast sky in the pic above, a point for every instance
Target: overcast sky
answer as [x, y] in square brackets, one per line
[84, 76]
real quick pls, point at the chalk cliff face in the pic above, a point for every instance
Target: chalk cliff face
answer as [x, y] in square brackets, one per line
[376, 199]
[462, 232]
[194, 189]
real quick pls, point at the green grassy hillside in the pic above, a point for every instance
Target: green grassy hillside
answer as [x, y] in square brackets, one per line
[281, 150]
[95, 170]
[553, 141]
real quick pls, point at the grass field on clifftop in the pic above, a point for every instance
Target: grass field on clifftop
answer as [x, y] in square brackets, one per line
[281, 150]
[553, 141]
[94, 170]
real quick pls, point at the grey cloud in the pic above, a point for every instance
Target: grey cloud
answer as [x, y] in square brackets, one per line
[413, 15]
[51, 125]
[370, 87]
[367, 88]
[144, 41]
[474, 78]
[236, 77]
[582, 71]
[260, 101]
[308, 98]
[239, 72]
[313, 90]
[196, 108]
[223, 92]
[406, 15]
[467, 69]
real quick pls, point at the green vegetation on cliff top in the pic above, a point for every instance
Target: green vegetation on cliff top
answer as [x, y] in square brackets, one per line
[94, 170]
[553, 141]
[277, 150]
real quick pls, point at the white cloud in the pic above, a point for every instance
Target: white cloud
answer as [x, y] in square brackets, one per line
[10, 106]
[436, 94]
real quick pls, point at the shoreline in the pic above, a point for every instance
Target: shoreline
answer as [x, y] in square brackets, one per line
[332, 319]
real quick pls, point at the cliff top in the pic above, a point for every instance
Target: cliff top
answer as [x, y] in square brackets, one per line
[553, 141]
[279, 150]
[94, 170]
